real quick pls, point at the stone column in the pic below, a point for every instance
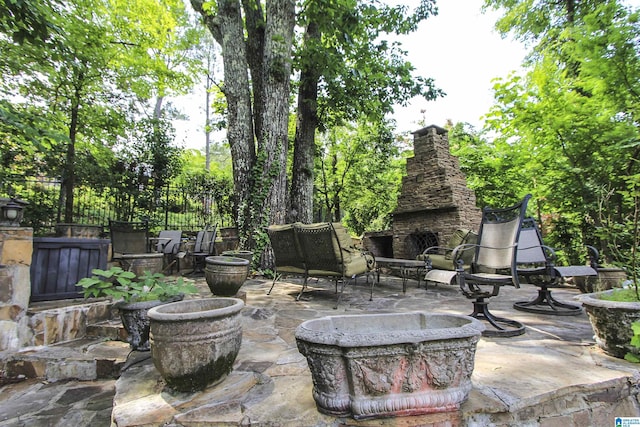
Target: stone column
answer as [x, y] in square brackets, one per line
[16, 248]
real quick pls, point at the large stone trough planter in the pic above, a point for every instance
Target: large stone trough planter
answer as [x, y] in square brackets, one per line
[395, 364]
[194, 343]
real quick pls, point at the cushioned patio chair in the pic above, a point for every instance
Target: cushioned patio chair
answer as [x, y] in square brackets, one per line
[328, 251]
[287, 255]
[536, 265]
[446, 257]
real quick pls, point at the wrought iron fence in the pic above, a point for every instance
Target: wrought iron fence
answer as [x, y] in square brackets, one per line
[170, 207]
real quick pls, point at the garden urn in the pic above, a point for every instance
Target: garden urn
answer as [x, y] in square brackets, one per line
[225, 275]
[194, 343]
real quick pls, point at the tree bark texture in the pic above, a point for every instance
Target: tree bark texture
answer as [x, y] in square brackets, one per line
[227, 28]
[273, 136]
[301, 195]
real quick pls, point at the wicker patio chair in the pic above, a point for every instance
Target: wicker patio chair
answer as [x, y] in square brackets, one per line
[536, 265]
[445, 258]
[328, 252]
[287, 255]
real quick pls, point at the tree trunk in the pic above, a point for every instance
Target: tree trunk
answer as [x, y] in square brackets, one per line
[301, 197]
[227, 28]
[69, 180]
[273, 140]
[255, 25]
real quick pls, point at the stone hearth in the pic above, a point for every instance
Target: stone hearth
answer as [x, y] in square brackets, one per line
[434, 200]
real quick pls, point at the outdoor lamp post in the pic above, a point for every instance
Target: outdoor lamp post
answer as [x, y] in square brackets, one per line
[11, 213]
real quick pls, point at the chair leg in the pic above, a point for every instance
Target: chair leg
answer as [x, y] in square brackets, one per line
[304, 286]
[501, 327]
[545, 303]
[276, 276]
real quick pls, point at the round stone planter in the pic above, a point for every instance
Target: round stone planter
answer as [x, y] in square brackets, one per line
[388, 365]
[139, 263]
[225, 275]
[607, 278]
[135, 320]
[194, 343]
[611, 322]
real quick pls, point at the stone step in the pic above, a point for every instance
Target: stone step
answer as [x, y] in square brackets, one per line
[84, 359]
[57, 322]
[111, 329]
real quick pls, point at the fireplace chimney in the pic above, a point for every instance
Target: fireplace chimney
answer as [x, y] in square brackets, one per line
[434, 200]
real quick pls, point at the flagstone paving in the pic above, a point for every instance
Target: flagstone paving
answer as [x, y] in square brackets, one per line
[553, 375]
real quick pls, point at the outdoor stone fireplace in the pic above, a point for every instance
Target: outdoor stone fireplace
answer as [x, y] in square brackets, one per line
[434, 200]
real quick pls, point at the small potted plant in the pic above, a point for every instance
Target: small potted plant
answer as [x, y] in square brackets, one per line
[134, 296]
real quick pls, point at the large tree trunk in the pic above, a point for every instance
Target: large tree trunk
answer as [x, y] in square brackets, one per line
[301, 197]
[274, 132]
[256, 26]
[227, 28]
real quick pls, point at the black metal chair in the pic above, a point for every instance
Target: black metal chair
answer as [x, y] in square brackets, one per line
[168, 243]
[128, 238]
[205, 246]
[536, 265]
[494, 266]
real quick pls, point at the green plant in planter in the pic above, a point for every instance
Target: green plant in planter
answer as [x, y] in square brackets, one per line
[121, 284]
[623, 238]
[634, 355]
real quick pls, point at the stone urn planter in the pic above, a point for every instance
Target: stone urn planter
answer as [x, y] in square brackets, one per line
[135, 320]
[194, 343]
[611, 322]
[225, 275]
[392, 364]
[608, 278]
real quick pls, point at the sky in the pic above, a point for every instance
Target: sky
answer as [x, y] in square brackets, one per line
[462, 52]
[458, 48]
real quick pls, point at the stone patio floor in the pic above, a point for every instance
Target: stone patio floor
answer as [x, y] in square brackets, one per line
[553, 375]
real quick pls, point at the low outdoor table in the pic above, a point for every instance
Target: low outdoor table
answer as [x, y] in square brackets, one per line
[407, 268]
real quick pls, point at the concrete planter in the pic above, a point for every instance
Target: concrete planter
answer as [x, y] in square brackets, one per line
[225, 275]
[135, 320]
[611, 322]
[194, 343]
[139, 263]
[608, 278]
[395, 364]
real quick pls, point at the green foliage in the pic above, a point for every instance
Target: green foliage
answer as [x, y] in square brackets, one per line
[118, 284]
[634, 355]
[359, 170]
[567, 129]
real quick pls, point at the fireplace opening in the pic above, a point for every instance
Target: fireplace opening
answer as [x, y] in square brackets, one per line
[380, 244]
[417, 242]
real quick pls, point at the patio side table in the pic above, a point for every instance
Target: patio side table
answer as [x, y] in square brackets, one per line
[408, 268]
